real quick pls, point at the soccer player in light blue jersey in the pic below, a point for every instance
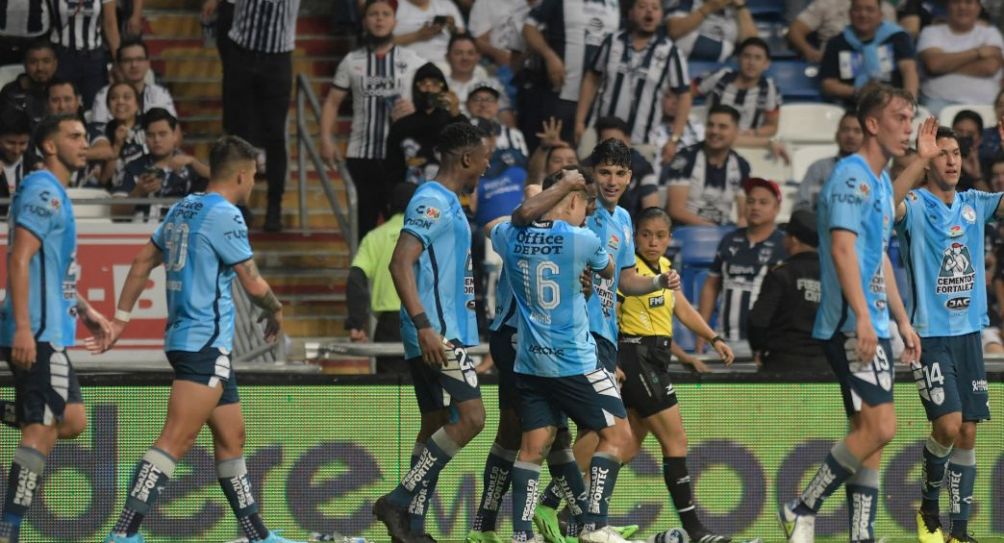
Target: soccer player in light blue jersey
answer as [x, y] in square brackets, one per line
[941, 234]
[859, 292]
[203, 245]
[432, 273]
[38, 319]
[556, 367]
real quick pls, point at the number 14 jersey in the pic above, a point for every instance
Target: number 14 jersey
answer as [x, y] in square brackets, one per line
[202, 238]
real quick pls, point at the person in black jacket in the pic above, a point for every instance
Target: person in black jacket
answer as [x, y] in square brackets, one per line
[411, 143]
[780, 323]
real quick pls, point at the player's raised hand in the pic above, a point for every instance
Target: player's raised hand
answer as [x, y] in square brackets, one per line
[867, 340]
[273, 324]
[431, 344]
[927, 145]
[911, 344]
[550, 132]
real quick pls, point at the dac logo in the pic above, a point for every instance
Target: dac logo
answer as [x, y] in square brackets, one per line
[958, 303]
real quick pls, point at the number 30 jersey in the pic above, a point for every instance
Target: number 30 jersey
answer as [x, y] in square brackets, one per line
[202, 238]
[543, 263]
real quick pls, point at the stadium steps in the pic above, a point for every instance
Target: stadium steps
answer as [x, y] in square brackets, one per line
[307, 271]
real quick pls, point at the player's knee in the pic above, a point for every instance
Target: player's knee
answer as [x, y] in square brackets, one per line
[967, 436]
[472, 419]
[72, 427]
[947, 429]
[884, 431]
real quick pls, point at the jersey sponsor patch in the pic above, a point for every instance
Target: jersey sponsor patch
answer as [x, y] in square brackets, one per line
[969, 214]
[956, 275]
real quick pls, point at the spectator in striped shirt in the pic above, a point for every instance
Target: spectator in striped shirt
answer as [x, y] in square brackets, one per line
[378, 76]
[23, 23]
[86, 35]
[631, 72]
[27, 92]
[709, 29]
[705, 179]
[754, 95]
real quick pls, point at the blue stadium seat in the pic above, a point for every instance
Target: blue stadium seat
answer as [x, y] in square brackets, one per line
[766, 10]
[798, 80]
[697, 247]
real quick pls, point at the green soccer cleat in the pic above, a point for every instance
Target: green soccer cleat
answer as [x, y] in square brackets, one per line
[929, 528]
[545, 520]
[625, 531]
[483, 537]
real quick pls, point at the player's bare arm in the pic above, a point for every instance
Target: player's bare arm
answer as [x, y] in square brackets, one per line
[533, 208]
[18, 265]
[694, 322]
[402, 266]
[911, 341]
[261, 295]
[149, 257]
[845, 260]
[632, 284]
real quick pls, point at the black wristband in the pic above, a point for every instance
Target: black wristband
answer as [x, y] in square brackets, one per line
[717, 339]
[421, 321]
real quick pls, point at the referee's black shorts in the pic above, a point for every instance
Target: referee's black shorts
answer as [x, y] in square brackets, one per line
[647, 388]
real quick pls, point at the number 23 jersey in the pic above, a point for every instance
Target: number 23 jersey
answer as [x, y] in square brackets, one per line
[202, 238]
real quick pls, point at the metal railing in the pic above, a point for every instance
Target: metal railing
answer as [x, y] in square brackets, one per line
[347, 219]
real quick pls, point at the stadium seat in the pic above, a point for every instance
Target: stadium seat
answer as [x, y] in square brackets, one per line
[93, 213]
[696, 246]
[804, 156]
[803, 124]
[920, 114]
[985, 110]
[797, 79]
[762, 164]
[766, 10]
[9, 73]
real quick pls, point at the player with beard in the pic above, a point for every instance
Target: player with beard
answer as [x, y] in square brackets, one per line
[611, 161]
[941, 233]
[859, 293]
[38, 319]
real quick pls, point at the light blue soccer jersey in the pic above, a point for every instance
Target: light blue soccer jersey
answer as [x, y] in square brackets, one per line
[617, 233]
[443, 273]
[855, 200]
[545, 261]
[42, 207]
[202, 238]
[505, 304]
[942, 248]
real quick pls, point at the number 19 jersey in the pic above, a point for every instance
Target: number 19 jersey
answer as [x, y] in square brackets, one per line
[202, 238]
[544, 262]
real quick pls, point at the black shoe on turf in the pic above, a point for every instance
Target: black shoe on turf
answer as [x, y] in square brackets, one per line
[424, 538]
[966, 538]
[8, 415]
[705, 536]
[394, 518]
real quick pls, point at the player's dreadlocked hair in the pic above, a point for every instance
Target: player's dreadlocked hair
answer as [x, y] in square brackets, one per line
[458, 137]
[611, 152]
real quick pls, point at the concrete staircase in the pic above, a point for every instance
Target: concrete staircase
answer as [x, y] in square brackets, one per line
[307, 270]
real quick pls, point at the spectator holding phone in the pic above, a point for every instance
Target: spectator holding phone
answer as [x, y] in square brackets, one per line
[425, 27]
[120, 140]
[411, 143]
[163, 172]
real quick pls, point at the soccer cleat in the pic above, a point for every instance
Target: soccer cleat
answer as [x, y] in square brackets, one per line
[606, 534]
[625, 531]
[483, 537]
[929, 528]
[675, 535]
[121, 538]
[545, 520]
[394, 518]
[274, 537]
[968, 538]
[422, 538]
[708, 537]
[797, 528]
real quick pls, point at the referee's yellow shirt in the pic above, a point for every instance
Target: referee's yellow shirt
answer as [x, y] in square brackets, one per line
[651, 314]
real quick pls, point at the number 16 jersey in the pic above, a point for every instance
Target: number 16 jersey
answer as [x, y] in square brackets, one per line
[202, 238]
[543, 263]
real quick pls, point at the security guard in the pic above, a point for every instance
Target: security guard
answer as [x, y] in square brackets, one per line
[780, 323]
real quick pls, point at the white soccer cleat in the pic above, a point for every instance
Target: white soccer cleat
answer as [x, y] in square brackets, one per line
[606, 534]
[676, 535]
[797, 528]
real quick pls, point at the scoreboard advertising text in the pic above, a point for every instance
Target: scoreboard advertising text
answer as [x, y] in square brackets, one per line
[320, 455]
